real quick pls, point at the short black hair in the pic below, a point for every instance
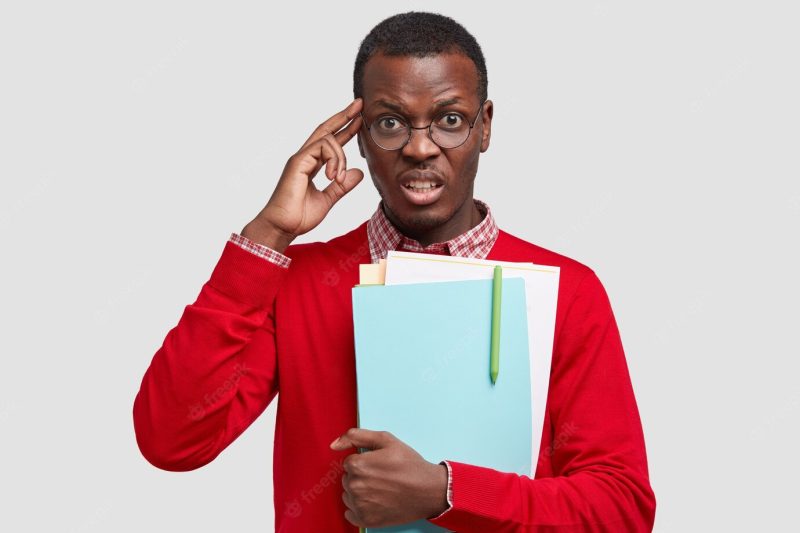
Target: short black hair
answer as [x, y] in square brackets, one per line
[419, 34]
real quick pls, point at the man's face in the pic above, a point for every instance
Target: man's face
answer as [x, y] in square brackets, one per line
[409, 88]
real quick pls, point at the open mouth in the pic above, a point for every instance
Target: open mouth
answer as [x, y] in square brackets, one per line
[422, 186]
[422, 192]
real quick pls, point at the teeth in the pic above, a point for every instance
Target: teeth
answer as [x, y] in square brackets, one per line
[421, 185]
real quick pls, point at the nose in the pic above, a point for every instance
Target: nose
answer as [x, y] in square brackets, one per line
[420, 146]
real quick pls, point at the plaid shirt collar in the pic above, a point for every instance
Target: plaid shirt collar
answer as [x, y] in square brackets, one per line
[384, 236]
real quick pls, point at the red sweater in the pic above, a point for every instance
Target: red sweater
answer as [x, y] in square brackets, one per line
[257, 328]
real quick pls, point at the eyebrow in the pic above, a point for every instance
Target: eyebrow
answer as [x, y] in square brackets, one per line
[399, 108]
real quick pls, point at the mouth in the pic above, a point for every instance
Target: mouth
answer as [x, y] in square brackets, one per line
[421, 188]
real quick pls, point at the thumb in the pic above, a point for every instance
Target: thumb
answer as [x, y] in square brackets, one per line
[335, 190]
[361, 438]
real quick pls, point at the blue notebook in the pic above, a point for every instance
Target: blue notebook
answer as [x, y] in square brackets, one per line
[422, 369]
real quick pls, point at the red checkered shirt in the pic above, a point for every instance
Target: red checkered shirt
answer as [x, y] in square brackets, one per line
[384, 236]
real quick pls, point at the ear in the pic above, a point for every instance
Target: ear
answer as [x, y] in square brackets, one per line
[487, 112]
[360, 146]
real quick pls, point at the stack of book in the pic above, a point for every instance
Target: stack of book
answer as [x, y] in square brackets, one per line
[453, 358]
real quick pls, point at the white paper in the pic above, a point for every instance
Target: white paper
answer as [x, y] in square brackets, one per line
[541, 292]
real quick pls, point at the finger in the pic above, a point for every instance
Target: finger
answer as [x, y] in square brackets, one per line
[328, 156]
[360, 437]
[311, 159]
[341, 158]
[334, 192]
[336, 122]
[352, 517]
[347, 498]
[332, 163]
[350, 131]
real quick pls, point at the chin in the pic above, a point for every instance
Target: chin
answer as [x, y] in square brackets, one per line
[419, 219]
[422, 222]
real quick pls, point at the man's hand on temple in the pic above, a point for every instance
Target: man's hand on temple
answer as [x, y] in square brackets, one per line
[297, 206]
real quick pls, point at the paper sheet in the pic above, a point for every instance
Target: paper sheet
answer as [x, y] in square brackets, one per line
[541, 290]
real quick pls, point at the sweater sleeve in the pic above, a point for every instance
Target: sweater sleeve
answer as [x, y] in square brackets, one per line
[216, 370]
[600, 477]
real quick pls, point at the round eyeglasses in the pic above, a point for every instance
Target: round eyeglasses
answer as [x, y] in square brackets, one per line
[449, 130]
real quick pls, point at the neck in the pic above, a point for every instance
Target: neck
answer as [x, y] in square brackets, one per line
[464, 219]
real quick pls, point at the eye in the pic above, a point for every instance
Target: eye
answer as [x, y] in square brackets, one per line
[451, 121]
[390, 123]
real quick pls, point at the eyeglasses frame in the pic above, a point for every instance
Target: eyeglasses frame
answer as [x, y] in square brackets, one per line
[429, 127]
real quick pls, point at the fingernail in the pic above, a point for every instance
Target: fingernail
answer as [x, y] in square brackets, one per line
[335, 442]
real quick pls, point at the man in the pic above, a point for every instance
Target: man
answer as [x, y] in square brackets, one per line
[276, 316]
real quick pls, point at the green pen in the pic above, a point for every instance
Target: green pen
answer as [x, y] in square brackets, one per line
[497, 291]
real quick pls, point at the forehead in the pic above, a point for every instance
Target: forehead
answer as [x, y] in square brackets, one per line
[418, 81]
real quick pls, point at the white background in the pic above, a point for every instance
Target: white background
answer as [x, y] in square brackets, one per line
[655, 142]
